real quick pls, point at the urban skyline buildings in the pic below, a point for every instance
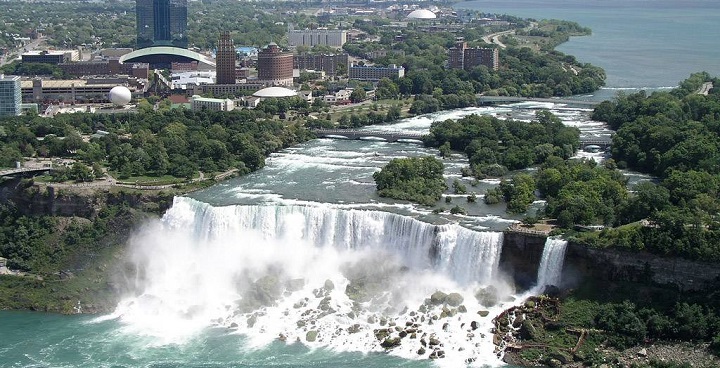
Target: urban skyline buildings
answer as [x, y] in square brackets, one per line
[161, 23]
[225, 60]
[10, 95]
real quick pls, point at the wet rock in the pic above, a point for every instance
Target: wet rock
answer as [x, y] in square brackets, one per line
[329, 286]
[354, 328]
[483, 313]
[421, 351]
[381, 334]
[295, 284]
[518, 321]
[311, 336]
[497, 340]
[433, 341]
[413, 335]
[462, 309]
[454, 299]
[438, 298]
[390, 342]
[372, 320]
[383, 321]
[301, 323]
[527, 330]
[474, 325]
[423, 342]
[487, 296]
[233, 325]
[445, 326]
[251, 321]
[282, 337]
[403, 334]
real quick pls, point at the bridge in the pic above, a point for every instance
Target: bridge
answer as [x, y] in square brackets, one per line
[24, 170]
[367, 134]
[602, 142]
[491, 100]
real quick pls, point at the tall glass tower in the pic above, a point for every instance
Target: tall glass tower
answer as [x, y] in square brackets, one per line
[161, 23]
[10, 95]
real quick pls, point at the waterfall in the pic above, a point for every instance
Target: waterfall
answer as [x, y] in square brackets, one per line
[551, 264]
[316, 274]
[464, 255]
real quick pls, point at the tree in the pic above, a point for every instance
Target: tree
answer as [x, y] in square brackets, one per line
[414, 179]
[358, 95]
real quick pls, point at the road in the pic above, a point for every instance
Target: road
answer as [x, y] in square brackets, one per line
[495, 38]
[12, 55]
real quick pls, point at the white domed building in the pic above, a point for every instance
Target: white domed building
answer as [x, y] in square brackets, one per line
[421, 14]
[120, 95]
[275, 92]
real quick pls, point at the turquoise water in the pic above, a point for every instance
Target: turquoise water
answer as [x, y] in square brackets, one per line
[47, 340]
[639, 43]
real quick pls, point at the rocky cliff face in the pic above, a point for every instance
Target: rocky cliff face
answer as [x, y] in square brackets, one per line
[640, 267]
[521, 256]
[42, 199]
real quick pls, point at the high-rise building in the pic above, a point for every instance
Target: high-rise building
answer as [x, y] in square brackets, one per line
[375, 73]
[462, 57]
[225, 61]
[161, 23]
[328, 63]
[274, 66]
[312, 37]
[10, 95]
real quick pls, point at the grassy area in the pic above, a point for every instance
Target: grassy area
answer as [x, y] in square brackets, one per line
[380, 106]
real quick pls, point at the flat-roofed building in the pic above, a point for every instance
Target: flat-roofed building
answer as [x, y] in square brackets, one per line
[375, 73]
[74, 90]
[226, 89]
[326, 62]
[462, 57]
[320, 36]
[106, 67]
[212, 104]
[275, 67]
[54, 57]
[10, 95]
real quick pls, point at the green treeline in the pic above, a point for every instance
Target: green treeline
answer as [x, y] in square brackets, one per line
[173, 142]
[672, 135]
[494, 146]
[412, 179]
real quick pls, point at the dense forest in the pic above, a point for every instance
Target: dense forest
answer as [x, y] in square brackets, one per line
[671, 135]
[172, 142]
[413, 179]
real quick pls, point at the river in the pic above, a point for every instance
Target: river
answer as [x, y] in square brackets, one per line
[292, 238]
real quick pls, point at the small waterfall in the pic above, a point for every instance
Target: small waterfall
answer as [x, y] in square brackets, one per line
[551, 264]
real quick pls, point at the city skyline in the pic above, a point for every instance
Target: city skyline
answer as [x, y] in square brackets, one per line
[161, 23]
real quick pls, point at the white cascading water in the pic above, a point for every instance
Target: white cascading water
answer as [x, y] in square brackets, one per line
[317, 275]
[551, 263]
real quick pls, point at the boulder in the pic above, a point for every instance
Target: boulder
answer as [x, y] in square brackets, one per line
[453, 299]
[390, 342]
[483, 313]
[329, 286]
[311, 336]
[438, 298]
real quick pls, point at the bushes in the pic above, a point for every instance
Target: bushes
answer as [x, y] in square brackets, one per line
[413, 179]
